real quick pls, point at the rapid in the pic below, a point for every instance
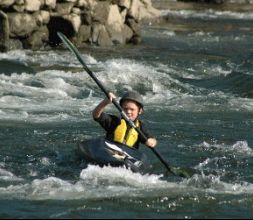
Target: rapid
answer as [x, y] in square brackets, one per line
[196, 79]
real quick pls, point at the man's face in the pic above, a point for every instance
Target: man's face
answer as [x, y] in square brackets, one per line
[131, 109]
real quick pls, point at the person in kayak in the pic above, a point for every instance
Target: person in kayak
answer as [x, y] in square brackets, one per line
[117, 128]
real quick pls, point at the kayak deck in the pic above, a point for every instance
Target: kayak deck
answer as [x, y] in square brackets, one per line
[102, 152]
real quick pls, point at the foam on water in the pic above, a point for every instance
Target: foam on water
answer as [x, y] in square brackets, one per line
[19, 55]
[239, 148]
[6, 176]
[55, 93]
[108, 182]
[209, 14]
[46, 58]
[213, 184]
[95, 182]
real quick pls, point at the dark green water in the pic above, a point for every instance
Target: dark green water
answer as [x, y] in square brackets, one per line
[198, 88]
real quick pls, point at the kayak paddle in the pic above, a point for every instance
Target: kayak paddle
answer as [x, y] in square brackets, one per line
[177, 171]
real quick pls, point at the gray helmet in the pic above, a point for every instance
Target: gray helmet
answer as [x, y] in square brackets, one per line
[133, 96]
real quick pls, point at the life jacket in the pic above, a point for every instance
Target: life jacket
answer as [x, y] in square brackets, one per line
[124, 135]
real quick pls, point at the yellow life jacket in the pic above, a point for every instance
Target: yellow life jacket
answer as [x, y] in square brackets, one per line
[123, 136]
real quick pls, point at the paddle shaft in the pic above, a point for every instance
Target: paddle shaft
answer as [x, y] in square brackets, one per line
[116, 104]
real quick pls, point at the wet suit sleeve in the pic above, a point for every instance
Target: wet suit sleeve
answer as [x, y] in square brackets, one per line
[108, 122]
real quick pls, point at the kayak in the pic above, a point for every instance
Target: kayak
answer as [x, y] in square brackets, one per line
[103, 153]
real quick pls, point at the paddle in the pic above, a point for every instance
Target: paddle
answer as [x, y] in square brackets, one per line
[183, 172]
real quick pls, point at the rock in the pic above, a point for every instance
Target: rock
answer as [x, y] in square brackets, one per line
[15, 44]
[147, 11]
[37, 39]
[104, 39]
[101, 12]
[75, 21]
[127, 33]
[134, 26]
[42, 17]
[124, 3]
[51, 4]
[21, 24]
[99, 22]
[4, 31]
[33, 5]
[83, 35]
[64, 8]
[7, 3]
[114, 25]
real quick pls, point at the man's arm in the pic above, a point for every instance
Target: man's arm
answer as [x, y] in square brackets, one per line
[101, 106]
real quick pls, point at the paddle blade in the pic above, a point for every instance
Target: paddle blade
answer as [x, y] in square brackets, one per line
[183, 172]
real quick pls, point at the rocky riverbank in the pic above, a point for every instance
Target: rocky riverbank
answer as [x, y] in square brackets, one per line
[34, 24]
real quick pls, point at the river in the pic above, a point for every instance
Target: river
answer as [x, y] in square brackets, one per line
[195, 74]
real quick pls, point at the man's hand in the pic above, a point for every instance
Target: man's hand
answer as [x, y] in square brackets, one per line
[151, 142]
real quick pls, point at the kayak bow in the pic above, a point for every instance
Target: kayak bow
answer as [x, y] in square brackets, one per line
[103, 153]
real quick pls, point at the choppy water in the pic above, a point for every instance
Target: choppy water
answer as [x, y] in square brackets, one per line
[197, 83]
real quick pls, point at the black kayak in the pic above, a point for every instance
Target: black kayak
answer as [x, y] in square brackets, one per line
[102, 152]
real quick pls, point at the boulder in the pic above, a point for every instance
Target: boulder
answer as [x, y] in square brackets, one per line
[99, 22]
[7, 3]
[33, 5]
[51, 4]
[21, 24]
[115, 24]
[37, 39]
[4, 31]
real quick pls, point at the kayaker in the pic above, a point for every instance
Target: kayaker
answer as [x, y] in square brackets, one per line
[117, 128]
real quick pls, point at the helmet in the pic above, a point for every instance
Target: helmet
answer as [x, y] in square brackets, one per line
[133, 96]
